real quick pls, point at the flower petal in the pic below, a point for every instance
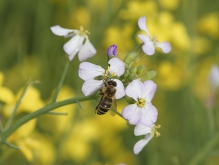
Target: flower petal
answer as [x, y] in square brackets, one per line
[132, 114]
[134, 89]
[73, 46]
[148, 46]
[59, 31]
[165, 46]
[120, 90]
[91, 86]
[86, 51]
[141, 129]
[116, 66]
[142, 25]
[141, 143]
[88, 71]
[149, 89]
[148, 114]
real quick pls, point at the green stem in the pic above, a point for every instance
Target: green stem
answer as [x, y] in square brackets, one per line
[204, 151]
[41, 111]
[60, 82]
[1, 127]
[211, 122]
[16, 106]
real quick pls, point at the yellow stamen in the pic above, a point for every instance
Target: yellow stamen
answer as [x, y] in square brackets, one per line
[114, 74]
[83, 32]
[154, 131]
[141, 102]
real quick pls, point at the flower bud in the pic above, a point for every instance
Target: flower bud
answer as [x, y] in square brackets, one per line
[132, 76]
[130, 57]
[140, 69]
[134, 69]
[112, 51]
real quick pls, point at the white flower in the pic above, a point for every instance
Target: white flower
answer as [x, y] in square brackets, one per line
[88, 72]
[214, 77]
[149, 42]
[149, 133]
[76, 44]
[142, 111]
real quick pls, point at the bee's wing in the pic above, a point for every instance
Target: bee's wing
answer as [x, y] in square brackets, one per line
[113, 108]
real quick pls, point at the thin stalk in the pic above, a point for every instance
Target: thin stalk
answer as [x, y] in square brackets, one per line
[16, 106]
[211, 122]
[60, 82]
[198, 158]
[41, 111]
[1, 127]
[57, 113]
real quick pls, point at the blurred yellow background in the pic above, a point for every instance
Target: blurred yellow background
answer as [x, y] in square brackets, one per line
[30, 50]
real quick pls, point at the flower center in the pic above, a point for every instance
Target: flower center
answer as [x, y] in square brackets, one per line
[83, 32]
[107, 74]
[141, 102]
[154, 40]
[154, 130]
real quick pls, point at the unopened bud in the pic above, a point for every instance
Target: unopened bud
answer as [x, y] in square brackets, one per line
[140, 69]
[132, 76]
[130, 57]
[112, 51]
[134, 69]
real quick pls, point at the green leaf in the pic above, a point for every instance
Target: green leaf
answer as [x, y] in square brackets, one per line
[79, 104]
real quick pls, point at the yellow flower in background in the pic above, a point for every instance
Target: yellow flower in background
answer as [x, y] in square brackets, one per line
[37, 149]
[6, 95]
[80, 17]
[31, 102]
[77, 144]
[119, 36]
[209, 24]
[201, 45]
[171, 77]
[59, 124]
[136, 9]
[24, 131]
[169, 4]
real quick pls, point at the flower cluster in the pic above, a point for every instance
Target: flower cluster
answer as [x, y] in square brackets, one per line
[141, 112]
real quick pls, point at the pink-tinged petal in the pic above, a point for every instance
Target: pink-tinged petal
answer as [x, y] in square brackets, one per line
[148, 46]
[142, 24]
[59, 31]
[91, 86]
[134, 89]
[148, 114]
[120, 90]
[132, 114]
[86, 51]
[73, 46]
[141, 129]
[165, 46]
[88, 71]
[141, 144]
[116, 66]
[149, 90]
[214, 76]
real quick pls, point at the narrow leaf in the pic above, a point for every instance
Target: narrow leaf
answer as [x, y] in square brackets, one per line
[12, 146]
[79, 104]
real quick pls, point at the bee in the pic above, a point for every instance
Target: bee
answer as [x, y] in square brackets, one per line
[108, 97]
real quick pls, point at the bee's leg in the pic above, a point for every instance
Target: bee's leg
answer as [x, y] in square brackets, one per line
[101, 92]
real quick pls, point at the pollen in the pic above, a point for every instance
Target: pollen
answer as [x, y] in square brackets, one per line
[107, 74]
[83, 32]
[141, 102]
[154, 130]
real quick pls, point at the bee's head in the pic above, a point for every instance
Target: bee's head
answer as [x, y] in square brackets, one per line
[112, 83]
